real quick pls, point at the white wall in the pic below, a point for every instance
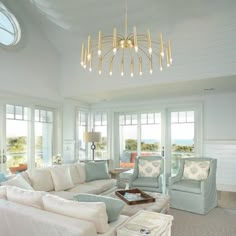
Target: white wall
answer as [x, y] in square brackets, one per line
[220, 137]
[33, 66]
[70, 109]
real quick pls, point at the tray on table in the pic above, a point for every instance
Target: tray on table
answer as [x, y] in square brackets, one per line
[134, 196]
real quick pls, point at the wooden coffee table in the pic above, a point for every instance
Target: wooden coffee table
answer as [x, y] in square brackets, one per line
[161, 204]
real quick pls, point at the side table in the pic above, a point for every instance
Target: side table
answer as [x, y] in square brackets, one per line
[146, 223]
[123, 180]
[116, 172]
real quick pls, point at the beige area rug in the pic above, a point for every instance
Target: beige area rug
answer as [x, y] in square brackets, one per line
[218, 222]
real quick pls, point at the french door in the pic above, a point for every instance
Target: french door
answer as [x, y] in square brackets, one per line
[26, 137]
[172, 132]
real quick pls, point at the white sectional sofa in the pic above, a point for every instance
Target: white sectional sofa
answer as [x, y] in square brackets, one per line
[36, 213]
[65, 181]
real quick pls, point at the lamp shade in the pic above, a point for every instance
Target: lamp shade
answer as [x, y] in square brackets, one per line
[90, 137]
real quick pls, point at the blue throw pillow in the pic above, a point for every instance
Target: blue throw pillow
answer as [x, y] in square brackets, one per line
[3, 177]
[113, 206]
[96, 170]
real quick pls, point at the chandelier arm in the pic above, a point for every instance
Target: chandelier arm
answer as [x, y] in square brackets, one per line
[111, 37]
[144, 52]
[106, 53]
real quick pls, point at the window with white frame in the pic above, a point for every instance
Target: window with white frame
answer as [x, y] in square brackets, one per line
[10, 32]
[100, 125]
[43, 137]
[182, 136]
[82, 127]
[17, 135]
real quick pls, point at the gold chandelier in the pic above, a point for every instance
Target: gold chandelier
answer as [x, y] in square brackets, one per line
[132, 52]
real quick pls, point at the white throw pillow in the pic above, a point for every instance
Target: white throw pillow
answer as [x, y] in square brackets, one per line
[74, 173]
[17, 181]
[196, 170]
[149, 168]
[81, 168]
[61, 178]
[94, 212]
[3, 192]
[25, 197]
[25, 175]
[41, 179]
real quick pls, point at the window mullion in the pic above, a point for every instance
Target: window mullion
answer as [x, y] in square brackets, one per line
[31, 160]
[139, 135]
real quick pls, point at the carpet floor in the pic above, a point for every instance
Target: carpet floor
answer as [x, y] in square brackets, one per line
[218, 222]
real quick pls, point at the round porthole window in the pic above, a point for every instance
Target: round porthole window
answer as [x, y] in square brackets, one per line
[10, 32]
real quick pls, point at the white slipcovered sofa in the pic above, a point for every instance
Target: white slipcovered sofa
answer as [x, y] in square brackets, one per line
[36, 213]
[65, 180]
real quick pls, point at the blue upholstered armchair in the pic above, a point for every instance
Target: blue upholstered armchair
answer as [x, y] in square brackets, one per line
[147, 173]
[194, 187]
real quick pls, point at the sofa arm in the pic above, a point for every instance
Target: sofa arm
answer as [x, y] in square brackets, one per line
[133, 177]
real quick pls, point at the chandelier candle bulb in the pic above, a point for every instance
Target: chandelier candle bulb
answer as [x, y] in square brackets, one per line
[140, 66]
[114, 41]
[89, 48]
[110, 69]
[150, 62]
[135, 40]
[161, 45]
[85, 58]
[99, 43]
[122, 66]
[82, 55]
[132, 67]
[167, 58]
[100, 66]
[149, 42]
[160, 63]
[169, 49]
[91, 62]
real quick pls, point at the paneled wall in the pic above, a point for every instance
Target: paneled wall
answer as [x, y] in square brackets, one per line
[226, 164]
[220, 137]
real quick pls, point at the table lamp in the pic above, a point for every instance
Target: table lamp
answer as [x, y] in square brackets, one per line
[92, 137]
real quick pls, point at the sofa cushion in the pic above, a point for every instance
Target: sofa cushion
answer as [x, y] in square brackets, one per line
[3, 192]
[85, 188]
[96, 170]
[103, 185]
[191, 186]
[41, 179]
[94, 212]
[196, 170]
[25, 197]
[61, 178]
[64, 194]
[25, 175]
[146, 182]
[75, 175]
[17, 181]
[81, 168]
[113, 206]
[149, 168]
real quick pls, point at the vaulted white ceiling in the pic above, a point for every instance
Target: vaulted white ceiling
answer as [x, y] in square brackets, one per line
[203, 35]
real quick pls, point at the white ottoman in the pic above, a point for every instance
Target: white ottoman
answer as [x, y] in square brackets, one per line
[146, 223]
